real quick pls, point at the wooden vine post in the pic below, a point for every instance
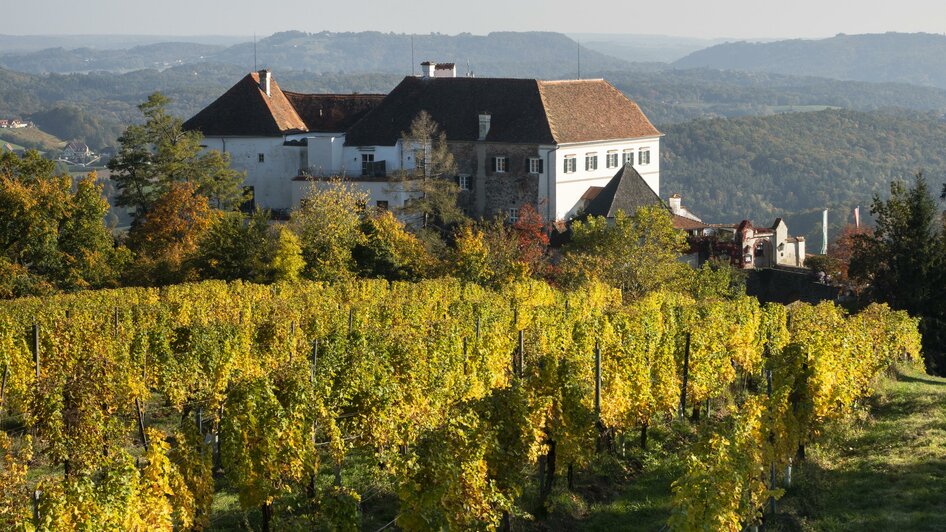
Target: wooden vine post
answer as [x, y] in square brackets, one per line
[686, 376]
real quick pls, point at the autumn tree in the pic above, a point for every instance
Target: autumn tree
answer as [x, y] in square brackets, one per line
[637, 253]
[842, 250]
[237, 247]
[328, 223]
[494, 253]
[432, 180]
[159, 152]
[169, 236]
[389, 251]
[53, 235]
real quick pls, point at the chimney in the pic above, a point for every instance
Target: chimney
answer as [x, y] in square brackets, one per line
[264, 81]
[484, 125]
[675, 203]
[427, 69]
[445, 70]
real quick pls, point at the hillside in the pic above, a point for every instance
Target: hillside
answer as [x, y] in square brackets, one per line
[512, 54]
[670, 96]
[918, 58]
[886, 473]
[795, 164]
[31, 138]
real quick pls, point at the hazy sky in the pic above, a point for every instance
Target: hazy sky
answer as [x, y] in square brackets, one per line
[696, 18]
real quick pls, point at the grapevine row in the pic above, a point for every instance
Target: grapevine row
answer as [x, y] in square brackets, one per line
[455, 391]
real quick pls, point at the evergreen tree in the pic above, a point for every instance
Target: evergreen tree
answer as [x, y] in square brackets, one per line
[903, 263]
[903, 259]
[159, 152]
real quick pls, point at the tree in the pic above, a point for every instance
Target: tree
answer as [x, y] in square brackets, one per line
[532, 239]
[328, 223]
[169, 235]
[432, 179]
[237, 247]
[637, 253]
[902, 260]
[52, 236]
[389, 251]
[288, 263]
[159, 152]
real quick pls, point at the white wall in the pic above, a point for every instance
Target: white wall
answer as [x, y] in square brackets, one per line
[271, 178]
[351, 158]
[570, 187]
[395, 193]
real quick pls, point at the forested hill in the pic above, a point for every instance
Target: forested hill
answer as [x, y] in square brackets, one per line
[918, 58]
[795, 164]
[508, 54]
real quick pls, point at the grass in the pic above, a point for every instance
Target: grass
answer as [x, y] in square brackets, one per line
[887, 471]
[31, 137]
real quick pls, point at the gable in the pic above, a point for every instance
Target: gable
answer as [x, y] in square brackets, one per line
[245, 110]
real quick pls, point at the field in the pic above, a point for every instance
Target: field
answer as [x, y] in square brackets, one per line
[31, 138]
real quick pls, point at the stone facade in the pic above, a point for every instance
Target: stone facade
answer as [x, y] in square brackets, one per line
[492, 193]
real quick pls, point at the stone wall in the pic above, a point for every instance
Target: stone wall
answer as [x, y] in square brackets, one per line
[494, 193]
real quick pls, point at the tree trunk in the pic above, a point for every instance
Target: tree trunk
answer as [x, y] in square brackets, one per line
[571, 476]
[644, 436]
[267, 509]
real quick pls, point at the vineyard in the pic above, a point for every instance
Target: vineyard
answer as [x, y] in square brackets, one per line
[459, 398]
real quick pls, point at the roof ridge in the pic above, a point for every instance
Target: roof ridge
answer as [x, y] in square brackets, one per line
[548, 116]
[270, 103]
[563, 81]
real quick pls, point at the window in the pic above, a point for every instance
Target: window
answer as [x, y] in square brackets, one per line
[536, 165]
[513, 215]
[613, 159]
[367, 163]
[643, 157]
[464, 182]
[570, 164]
[628, 157]
[591, 161]
[499, 164]
[382, 205]
[261, 157]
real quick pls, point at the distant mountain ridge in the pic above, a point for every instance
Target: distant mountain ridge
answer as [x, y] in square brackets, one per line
[916, 58]
[506, 54]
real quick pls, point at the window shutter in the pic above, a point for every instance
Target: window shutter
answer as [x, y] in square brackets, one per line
[541, 166]
[527, 160]
[492, 164]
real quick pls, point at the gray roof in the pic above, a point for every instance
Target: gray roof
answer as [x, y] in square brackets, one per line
[627, 191]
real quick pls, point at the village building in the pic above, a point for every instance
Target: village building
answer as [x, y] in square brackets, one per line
[77, 152]
[515, 141]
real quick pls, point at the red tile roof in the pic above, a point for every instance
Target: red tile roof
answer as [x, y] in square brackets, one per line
[585, 110]
[332, 112]
[687, 224]
[523, 111]
[245, 110]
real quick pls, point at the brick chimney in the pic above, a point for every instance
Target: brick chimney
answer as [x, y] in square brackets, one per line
[265, 79]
